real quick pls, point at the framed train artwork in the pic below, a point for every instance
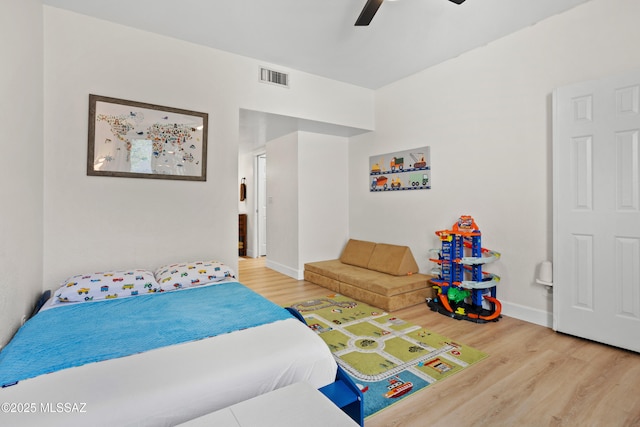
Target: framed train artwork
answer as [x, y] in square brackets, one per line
[401, 171]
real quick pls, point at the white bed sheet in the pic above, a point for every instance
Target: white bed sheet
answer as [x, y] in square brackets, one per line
[170, 385]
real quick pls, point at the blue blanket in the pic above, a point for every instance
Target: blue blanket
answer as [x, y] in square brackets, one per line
[78, 334]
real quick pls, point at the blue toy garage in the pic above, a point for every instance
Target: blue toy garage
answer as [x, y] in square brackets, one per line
[463, 289]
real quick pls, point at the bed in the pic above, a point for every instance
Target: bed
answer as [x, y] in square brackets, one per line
[153, 349]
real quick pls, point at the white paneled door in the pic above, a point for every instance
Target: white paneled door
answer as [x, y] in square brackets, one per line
[596, 210]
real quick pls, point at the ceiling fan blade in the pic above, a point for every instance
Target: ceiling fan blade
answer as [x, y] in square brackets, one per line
[369, 11]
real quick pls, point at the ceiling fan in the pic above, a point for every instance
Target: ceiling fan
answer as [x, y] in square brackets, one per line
[371, 8]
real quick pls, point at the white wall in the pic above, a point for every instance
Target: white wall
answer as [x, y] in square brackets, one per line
[21, 172]
[307, 200]
[282, 204]
[323, 196]
[487, 117]
[99, 222]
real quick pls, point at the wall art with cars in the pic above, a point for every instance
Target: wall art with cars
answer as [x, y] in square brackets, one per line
[400, 171]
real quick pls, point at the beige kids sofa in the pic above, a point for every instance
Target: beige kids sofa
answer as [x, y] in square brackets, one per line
[382, 275]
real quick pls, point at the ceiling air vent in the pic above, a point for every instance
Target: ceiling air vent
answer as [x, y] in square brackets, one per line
[274, 77]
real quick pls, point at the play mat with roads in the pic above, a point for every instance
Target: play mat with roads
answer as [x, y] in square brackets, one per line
[387, 357]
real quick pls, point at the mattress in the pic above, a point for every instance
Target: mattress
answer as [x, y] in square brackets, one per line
[169, 385]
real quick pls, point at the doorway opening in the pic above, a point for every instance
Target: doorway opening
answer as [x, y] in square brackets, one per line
[261, 204]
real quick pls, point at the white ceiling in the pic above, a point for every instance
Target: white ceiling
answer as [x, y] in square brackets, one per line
[318, 36]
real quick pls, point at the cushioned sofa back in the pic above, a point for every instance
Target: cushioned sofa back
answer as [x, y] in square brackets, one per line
[357, 252]
[392, 259]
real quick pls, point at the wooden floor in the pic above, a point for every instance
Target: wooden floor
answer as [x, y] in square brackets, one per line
[532, 377]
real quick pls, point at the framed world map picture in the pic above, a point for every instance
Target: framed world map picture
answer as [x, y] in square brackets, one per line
[139, 140]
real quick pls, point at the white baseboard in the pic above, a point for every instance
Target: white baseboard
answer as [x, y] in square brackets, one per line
[287, 271]
[528, 314]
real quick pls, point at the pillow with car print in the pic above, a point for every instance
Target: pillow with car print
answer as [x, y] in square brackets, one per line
[106, 285]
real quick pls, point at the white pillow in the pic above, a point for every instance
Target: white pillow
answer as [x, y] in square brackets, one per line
[106, 285]
[189, 274]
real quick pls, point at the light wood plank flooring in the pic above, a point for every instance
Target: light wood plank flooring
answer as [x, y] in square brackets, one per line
[532, 377]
